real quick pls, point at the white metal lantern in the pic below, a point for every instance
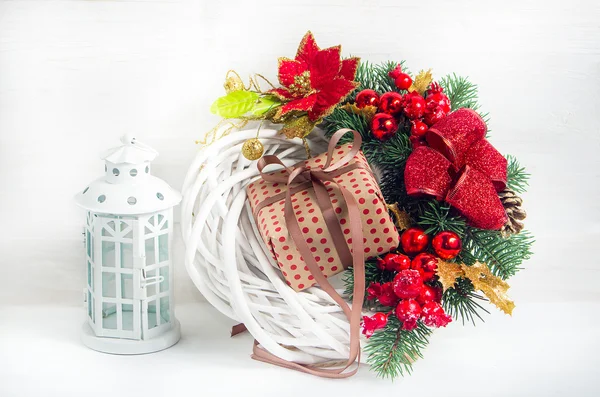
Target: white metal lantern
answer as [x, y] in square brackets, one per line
[128, 237]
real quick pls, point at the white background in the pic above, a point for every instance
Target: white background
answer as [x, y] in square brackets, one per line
[75, 75]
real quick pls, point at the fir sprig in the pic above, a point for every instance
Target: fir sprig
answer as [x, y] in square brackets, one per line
[437, 217]
[375, 77]
[462, 93]
[462, 302]
[392, 350]
[502, 255]
[516, 179]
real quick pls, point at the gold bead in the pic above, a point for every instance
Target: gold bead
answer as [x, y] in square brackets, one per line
[253, 149]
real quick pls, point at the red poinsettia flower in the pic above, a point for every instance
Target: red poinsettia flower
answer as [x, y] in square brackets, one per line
[316, 80]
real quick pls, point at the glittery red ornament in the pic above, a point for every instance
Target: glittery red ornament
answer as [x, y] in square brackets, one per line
[394, 262]
[407, 284]
[408, 311]
[394, 73]
[403, 81]
[414, 240]
[427, 294]
[437, 104]
[383, 126]
[433, 315]
[426, 264]
[366, 98]
[418, 128]
[414, 105]
[447, 244]
[373, 323]
[390, 103]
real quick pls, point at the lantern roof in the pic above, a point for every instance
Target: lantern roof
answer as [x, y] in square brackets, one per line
[128, 188]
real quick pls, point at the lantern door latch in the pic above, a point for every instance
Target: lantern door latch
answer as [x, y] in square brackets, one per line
[147, 281]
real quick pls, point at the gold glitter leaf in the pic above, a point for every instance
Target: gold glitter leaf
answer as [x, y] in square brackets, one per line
[421, 82]
[298, 127]
[403, 221]
[448, 272]
[368, 112]
[235, 104]
[493, 287]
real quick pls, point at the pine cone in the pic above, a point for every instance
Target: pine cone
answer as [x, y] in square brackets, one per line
[512, 204]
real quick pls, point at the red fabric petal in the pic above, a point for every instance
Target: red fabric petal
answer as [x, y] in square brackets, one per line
[329, 96]
[282, 93]
[475, 197]
[302, 104]
[307, 48]
[325, 66]
[349, 66]
[288, 70]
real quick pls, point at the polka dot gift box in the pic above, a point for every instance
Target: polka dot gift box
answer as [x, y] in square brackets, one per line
[322, 218]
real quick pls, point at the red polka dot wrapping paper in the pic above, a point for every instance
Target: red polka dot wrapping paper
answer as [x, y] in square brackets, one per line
[380, 234]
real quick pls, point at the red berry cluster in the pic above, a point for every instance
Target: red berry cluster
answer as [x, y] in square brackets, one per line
[422, 111]
[414, 291]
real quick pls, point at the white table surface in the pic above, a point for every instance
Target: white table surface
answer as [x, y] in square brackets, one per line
[77, 74]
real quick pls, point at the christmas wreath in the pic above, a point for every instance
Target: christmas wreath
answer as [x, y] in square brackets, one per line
[451, 195]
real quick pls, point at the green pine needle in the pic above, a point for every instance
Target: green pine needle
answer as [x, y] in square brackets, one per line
[437, 217]
[517, 179]
[503, 255]
[375, 77]
[392, 350]
[462, 302]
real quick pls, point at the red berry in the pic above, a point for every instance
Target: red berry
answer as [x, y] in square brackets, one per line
[447, 244]
[403, 81]
[391, 103]
[414, 240]
[366, 98]
[414, 105]
[394, 262]
[383, 126]
[388, 296]
[417, 141]
[418, 128]
[433, 315]
[408, 311]
[407, 284]
[426, 264]
[427, 294]
[394, 73]
[373, 323]
[373, 291]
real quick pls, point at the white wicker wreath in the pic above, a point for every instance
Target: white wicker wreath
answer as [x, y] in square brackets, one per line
[228, 262]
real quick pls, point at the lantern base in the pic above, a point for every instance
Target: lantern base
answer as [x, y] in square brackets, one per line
[130, 346]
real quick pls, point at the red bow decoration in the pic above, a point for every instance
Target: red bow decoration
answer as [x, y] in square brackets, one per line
[461, 167]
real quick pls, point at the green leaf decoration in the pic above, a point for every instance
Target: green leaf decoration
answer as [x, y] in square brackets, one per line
[265, 104]
[235, 104]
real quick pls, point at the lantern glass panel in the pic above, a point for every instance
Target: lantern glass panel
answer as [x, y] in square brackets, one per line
[163, 247]
[151, 288]
[165, 314]
[164, 273]
[152, 314]
[150, 256]
[109, 288]
[127, 317]
[126, 286]
[127, 255]
[109, 319]
[108, 253]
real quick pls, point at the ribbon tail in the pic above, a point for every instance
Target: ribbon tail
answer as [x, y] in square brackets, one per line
[427, 172]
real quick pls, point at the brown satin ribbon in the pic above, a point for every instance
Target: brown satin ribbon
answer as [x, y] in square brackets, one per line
[317, 178]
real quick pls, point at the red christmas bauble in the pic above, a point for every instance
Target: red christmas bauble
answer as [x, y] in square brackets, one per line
[433, 315]
[408, 311]
[383, 126]
[418, 128]
[407, 284]
[366, 98]
[426, 264]
[414, 105]
[414, 240]
[403, 81]
[447, 244]
[390, 103]
[394, 262]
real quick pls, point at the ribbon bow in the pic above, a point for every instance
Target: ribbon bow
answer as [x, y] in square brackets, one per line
[300, 178]
[461, 167]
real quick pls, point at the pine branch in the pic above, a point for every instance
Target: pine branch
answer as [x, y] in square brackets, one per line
[372, 275]
[392, 350]
[343, 119]
[502, 255]
[437, 217]
[517, 179]
[462, 93]
[461, 302]
[375, 77]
